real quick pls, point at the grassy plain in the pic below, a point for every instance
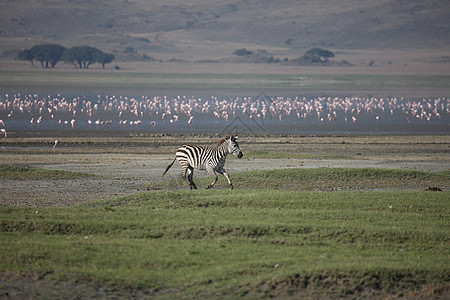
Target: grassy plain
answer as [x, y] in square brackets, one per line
[249, 242]
[141, 80]
[326, 179]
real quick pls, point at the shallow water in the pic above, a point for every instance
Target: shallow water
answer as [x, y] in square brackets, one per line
[224, 114]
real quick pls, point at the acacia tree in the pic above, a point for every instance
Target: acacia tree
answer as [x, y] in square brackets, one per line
[242, 52]
[50, 54]
[54, 54]
[80, 56]
[105, 58]
[26, 55]
[84, 56]
[47, 54]
[318, 55]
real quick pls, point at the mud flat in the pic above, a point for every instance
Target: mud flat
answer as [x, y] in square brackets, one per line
[125, 165]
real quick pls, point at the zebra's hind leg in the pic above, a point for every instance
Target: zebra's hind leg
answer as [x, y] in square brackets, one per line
[189, 178]
[213, 174]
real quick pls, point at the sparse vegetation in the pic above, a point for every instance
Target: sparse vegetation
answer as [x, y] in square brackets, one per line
[249, 25]
[317, 56]
[314, 56]
[259, 57]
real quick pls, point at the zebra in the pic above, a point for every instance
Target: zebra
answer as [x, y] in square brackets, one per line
[211, 159]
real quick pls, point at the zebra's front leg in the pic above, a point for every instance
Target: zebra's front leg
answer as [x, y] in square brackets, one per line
[224, 173]
[213, 174]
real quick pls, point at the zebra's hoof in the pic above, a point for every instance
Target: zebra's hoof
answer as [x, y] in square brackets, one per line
[231, 186]
[208, 187]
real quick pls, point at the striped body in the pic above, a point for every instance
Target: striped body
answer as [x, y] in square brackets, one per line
[211, 159]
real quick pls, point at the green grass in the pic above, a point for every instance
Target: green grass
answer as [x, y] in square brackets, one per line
[221, 243]
[253, 242]
[26, 173]
[323, 179]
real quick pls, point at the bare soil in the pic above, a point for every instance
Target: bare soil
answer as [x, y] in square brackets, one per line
[132, 164]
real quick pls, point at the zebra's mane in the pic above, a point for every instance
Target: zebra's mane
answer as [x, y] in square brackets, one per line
[223, 140]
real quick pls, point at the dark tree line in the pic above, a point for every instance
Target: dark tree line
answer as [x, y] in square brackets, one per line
[50, 54]
[316, 55]
[312, 56]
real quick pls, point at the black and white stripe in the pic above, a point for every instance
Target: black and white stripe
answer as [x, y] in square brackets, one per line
[211, 159]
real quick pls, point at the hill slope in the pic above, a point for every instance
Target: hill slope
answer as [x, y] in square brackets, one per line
[160, 26]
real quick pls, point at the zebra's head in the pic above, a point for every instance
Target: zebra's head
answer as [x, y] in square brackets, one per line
[233, 146]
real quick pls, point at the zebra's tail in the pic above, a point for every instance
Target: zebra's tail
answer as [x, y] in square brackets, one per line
[168, 167]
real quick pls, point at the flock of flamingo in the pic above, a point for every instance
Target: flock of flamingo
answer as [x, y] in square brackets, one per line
[101, 110]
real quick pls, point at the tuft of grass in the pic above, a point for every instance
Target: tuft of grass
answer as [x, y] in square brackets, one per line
[26, 173]
[228, 244]
[325, 179]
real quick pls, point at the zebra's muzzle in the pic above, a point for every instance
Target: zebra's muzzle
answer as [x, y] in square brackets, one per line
[240, 155]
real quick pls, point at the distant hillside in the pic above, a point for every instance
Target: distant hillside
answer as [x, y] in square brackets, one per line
[160, 26]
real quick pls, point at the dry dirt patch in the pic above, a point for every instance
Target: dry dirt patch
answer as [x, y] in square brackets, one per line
[127, 165]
